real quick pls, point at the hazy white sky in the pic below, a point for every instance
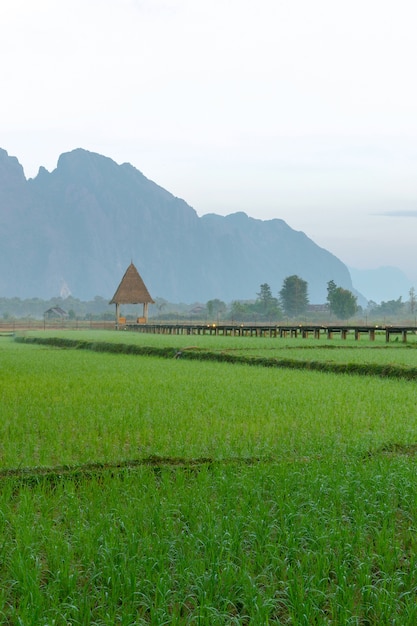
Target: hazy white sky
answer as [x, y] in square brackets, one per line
[304, 110]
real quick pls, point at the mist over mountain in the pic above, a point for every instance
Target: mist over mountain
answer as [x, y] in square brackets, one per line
[77, 228]
[382, 284]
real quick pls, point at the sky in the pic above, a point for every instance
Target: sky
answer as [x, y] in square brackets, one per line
[303, 110]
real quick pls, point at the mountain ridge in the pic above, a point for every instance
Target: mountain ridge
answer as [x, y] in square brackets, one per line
[81, 225]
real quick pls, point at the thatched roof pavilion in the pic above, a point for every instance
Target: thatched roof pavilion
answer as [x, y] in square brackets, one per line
[132, 290]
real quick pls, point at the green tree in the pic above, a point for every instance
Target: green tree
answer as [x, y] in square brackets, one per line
[266, 305]
[341, 301]
[293, 296]
[240, 311]
[215, 307]
[265, 294]
[412, 301]
[331, 288]
[390, 307]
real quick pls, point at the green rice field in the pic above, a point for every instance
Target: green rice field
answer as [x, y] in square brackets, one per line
[146, 489]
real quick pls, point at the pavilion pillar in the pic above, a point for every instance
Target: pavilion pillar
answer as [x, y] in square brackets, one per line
[117, 315]
[145, 312]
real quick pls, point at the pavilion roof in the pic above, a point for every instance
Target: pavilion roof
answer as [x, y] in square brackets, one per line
[132, 289]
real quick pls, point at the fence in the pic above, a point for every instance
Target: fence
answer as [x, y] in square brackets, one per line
[18, 325]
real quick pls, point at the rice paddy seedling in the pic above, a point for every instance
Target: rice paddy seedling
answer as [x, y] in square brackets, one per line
[142, 490]
[334, 350]
[225, 544]
[79, 406]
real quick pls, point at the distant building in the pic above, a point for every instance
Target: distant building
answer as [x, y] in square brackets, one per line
[198, 310]
[55, 313]
[317, 308]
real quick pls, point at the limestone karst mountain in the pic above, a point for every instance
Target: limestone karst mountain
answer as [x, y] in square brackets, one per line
[77, 228]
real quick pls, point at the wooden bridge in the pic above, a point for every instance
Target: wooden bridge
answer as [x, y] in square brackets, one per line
[278, 330]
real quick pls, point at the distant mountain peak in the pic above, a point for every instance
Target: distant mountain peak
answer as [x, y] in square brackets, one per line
[11, 172]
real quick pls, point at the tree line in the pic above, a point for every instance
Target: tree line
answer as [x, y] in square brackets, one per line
[291, 301]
